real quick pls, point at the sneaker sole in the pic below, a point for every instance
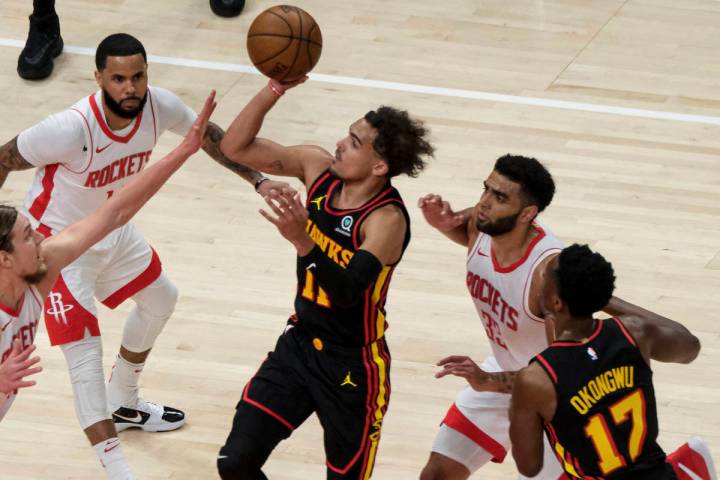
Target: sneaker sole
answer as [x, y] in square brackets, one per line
[698, 445]
[165, 427]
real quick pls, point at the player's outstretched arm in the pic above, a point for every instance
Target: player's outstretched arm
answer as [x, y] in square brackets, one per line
[211, 145]
[480, 380]
[241, 144]
[439, 214]
[11, 160]
[16, 367]
[658, 337]
[69, 244]
[533, 400]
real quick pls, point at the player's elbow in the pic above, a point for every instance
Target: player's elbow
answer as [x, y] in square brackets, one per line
[692, 349]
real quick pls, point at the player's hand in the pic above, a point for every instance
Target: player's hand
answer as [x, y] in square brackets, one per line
[291, 219]
[438, 213]
[272, 187]
[17, 366]
[281, 87]
[194, 138]
[465, 367]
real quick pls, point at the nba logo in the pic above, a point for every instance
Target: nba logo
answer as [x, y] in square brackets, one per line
[592, 353]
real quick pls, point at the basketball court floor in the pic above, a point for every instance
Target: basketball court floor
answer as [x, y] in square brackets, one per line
[619, 98]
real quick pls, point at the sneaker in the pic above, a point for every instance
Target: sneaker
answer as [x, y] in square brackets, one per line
[227, 8]
[151, 417]
[43, 44]
[692, 461]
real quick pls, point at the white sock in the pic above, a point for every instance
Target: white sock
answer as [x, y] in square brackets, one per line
[122, 387]
[111, 458]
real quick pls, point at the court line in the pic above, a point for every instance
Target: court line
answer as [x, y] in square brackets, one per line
[424, 89]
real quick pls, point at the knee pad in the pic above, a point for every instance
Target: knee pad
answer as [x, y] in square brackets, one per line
[84, 360]
[154, 305]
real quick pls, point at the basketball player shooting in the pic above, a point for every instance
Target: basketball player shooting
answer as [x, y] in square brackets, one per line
[350, 235]
[30, 265]
[82, 156]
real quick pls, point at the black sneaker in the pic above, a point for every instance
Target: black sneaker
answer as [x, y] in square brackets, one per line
[227, 8]
[151, 417]
[43, 44]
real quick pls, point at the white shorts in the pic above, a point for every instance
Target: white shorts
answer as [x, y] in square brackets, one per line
[476, 428]
[112, 270]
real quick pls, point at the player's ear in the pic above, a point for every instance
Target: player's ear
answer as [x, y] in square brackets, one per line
[380, 167]
[528, 214]
[98, 78]
[6, 260]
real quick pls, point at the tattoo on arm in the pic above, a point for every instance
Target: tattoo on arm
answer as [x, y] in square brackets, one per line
[11, 160]
[211, 145]
[504, 381]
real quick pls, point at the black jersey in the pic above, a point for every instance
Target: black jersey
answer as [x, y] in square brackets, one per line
[605, 425]
[337, 233]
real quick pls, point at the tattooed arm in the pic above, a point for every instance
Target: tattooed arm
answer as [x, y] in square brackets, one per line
[479, 379]
[11, 160]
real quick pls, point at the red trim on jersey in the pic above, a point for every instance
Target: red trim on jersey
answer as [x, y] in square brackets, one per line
[370, 209]
[368, 204]
[152, 110]
[625, 332]
[548, 368]
[151, 273]
[65, 325]
[40, 204]
[460, 423]
[530, 247]
[265, 409]
[318, 181]
[589, 339]
[106, 129]
[13, 312]
[44, 230]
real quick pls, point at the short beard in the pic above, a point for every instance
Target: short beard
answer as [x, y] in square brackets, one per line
[118, 110]
[498, 227]
[38, 276]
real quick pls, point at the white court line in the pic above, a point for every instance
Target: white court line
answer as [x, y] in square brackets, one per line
[428, 90]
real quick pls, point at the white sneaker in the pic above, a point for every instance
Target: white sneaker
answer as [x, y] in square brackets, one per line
[151, 417]
[693, 461]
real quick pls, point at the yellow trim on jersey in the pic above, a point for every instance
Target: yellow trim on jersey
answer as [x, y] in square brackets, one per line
[381, 402]
[379, 284]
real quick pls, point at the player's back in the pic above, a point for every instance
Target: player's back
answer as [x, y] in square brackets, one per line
[605, 424]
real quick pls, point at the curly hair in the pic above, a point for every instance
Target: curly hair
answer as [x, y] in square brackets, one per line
[400, 140]
[585, 280]
[536, 182]
[8, 215]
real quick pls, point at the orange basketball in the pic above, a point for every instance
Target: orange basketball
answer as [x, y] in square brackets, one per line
[284, 42]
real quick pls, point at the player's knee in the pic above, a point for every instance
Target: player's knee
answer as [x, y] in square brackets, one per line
[158, 299]
[240, 464]
[440, 467]
[84, 360]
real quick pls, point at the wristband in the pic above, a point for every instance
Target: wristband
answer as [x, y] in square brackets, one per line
[260, 182]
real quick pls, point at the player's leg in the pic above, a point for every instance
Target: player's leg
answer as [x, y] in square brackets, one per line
[351, 390]
[135, 272]
[274, 402]
[43, 43]
[71, 321]
[693, 461]
[473, 433]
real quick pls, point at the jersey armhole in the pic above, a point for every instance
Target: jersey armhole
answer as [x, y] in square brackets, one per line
[88, 144]
[528, 284]
[475, 246]
[545, 365]
[315, 184]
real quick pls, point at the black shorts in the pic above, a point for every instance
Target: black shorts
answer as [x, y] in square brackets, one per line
[348, 389]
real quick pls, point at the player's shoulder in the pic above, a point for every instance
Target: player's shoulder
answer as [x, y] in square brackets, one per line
[548, 239]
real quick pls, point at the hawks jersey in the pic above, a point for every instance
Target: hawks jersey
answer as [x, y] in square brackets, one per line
[501, 294]
[80, 161]
[605, 425]
[21, 324]
[337, 233]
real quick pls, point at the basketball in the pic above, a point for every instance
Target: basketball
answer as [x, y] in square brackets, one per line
[284, 42]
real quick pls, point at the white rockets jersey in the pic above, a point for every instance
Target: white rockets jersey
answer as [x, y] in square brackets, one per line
[82, 162]
[18, 324]
[501, 298]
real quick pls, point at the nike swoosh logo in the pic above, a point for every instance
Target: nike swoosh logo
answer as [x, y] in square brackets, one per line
[220, 457]
[5, 326]
[117, 444]
[481, 253]
[100, 150]
[690, 473]
[137, 419]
